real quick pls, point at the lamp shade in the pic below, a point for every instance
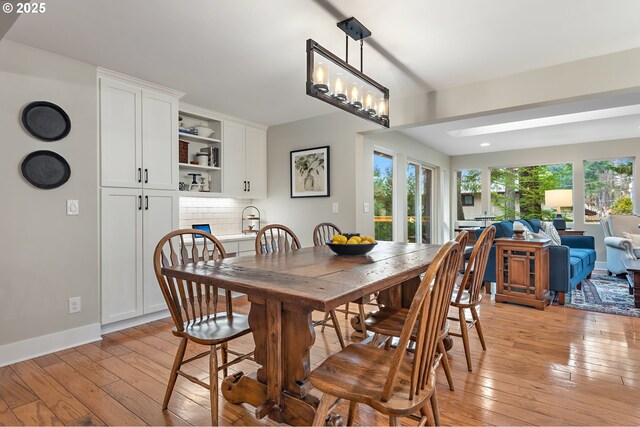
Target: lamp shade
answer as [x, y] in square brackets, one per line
[558, 198]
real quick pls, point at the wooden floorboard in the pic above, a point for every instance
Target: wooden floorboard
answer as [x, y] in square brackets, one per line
[554, 367]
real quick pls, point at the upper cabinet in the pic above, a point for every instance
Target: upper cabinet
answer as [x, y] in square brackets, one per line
[245, 148]
[138, 136]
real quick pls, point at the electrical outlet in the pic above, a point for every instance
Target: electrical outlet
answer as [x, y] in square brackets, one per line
[73, 207]
[336, 208]
[365, 207]
[75, 305]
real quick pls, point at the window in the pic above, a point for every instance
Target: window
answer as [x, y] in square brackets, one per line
[608, 188]
[419, 196]
[468, 188]
[519, 192]
[383, 196]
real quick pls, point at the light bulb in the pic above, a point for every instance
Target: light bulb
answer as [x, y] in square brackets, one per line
[370, 103]
[320, 78]
[383, 111]
[355, 97]
[339, 88]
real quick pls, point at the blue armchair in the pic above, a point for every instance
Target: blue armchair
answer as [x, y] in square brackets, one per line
[569, 264]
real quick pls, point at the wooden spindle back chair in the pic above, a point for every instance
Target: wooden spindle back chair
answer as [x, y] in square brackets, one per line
[276, 238]
[324, 232]
[194, 309]
[396, 383]
[468, 295]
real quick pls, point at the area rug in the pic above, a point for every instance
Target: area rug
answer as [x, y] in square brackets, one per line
[603, 294]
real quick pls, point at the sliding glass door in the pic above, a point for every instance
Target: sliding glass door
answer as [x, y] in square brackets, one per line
[419, 203]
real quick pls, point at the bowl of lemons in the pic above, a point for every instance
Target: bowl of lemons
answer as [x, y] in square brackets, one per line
[351, 244]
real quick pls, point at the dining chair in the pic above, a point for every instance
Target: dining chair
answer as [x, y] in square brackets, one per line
[194, 310]
[277, 238]
[390, 321]
[468, 295]
[396, 383]
[324, 232]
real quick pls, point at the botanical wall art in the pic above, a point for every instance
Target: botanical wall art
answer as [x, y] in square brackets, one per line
[310, 172]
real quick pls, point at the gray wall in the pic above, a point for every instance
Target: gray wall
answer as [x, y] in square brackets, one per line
[575, 153]
[47, 256]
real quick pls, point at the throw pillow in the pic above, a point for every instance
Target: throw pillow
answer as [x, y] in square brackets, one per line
[542, 235]
[635, 238]
[550, 229]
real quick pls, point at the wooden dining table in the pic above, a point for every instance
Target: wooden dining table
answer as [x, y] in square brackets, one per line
[284, 289]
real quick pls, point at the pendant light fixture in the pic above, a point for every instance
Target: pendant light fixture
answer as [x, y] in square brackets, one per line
[334, 81]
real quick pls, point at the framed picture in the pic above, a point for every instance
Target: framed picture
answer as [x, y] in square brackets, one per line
[310, 172]
[468, 200]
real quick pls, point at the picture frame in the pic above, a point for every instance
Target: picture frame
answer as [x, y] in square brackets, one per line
[468, 200]
[310, 172]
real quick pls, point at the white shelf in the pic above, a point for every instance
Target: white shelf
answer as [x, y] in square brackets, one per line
[199, 194]
[196, 138]
[198, 167]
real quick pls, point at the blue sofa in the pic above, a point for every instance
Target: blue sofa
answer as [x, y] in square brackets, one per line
[569, 264]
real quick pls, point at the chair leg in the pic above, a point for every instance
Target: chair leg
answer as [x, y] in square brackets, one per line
[435, 408]
[224, 351]
[353, 407]
[561, 296]
[213, 380]
[346, 311]
[465, 338]
[324, 322]
[445, 364]
[426, 414]
[474, 313]
[362, 319]
[322, 410]
[393, 421]
[174, 372]
[336, 325]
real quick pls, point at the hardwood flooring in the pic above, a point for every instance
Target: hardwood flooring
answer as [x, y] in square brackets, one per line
[554, 367]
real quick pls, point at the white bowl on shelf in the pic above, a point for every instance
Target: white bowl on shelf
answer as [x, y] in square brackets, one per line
[204, 131]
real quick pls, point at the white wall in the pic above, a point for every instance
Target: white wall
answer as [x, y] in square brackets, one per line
[339, 131]
[575, 154]
[47, 256]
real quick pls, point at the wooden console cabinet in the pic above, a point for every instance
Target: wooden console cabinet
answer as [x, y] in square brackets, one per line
[522, 271]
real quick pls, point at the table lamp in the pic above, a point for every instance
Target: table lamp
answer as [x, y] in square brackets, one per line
[558, 199]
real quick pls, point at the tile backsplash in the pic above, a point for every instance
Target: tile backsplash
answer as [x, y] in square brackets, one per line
[223, 215]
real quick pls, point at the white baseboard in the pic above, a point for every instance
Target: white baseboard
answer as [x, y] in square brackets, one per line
[45, 344]
[130, 323]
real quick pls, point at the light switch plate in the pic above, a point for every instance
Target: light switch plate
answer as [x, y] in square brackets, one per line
[365, 207]
[336, 208]
[75, 305]
[73, 207]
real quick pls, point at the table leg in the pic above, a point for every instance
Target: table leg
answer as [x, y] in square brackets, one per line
[636, 288]
[283, 335]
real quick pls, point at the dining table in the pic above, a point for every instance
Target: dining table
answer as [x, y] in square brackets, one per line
[284, 289]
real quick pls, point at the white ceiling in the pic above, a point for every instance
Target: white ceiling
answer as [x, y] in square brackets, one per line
[246, 58]
[597, 119]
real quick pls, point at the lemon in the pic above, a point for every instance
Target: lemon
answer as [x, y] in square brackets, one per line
[343, 240]
[365, 242]
[352, 241]
[357, 238]
[336, 238]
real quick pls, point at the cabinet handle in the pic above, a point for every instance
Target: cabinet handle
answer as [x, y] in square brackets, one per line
[146, 203]
[146, 176]
[245, 185]
[139, 203]
[139, 174]
[249, 185]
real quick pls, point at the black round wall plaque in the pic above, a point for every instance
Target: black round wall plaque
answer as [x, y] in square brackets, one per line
[46, 121]
[45, 169]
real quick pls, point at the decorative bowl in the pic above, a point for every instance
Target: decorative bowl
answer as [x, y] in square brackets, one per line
[344, 249]
[204, 131]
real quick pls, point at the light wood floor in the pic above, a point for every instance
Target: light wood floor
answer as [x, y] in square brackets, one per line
[557, 367]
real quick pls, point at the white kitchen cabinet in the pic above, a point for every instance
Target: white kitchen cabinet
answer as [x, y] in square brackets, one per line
[245, 161]
[133, 221]
[138, 137]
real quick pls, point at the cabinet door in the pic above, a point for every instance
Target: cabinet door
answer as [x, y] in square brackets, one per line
[121, 254]
[233, 158]
[120, 134]
[159, 141]
[160, 216]
[256, 162]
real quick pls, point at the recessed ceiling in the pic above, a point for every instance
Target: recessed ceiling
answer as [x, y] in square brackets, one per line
[598, 119]
[246, 58]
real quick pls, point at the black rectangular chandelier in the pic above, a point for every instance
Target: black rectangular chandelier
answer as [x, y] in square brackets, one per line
[334, 81]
